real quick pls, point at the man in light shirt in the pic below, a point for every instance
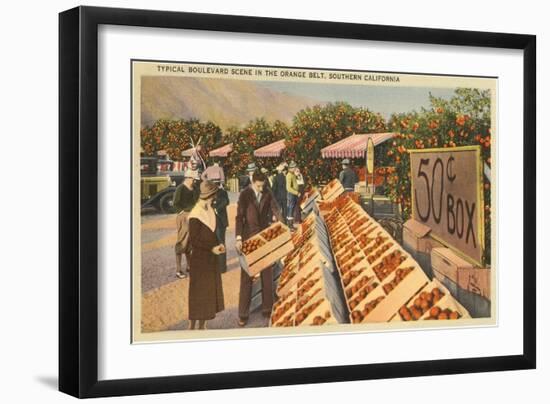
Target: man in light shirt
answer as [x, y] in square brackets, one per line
[293, 192]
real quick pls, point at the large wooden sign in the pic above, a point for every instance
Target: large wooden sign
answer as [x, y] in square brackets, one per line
[447, 197]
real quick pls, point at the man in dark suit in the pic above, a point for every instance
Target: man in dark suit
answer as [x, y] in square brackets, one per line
[250, 170]
[220, 207]
[279, 187]
[256, 210]
[348, 177]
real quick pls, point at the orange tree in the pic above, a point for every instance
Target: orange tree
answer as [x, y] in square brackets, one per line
[175, 136]
[463, 120]
[316, 127]
[257, 133]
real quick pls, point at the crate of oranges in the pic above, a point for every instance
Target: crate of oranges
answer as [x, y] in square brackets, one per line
[332, 190]
[433, 302]
[266, 248]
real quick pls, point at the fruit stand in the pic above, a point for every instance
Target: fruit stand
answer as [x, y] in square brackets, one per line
[346, 268]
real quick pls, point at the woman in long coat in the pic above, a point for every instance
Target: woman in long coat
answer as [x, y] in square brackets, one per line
[205, 282]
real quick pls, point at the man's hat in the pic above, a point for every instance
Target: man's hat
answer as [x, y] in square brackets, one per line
[263, 170]
[208, 188]
[345, 161]
[251, 167]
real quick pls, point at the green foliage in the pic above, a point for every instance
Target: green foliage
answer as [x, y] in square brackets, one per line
[255, 134]
[320, 126]
[175, 136]
[461, 121]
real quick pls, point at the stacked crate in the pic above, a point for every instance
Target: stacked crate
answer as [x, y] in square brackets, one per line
[433, 302]
[377, 275]
[308, 291]
[332, 190]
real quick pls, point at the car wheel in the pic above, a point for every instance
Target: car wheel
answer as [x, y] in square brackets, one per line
[166, 203]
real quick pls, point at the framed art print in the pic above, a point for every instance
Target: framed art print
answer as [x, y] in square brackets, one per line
[283, 201]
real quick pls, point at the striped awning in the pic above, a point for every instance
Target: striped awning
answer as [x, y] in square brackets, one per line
[222, 151]
[271, 150]
[354, 146]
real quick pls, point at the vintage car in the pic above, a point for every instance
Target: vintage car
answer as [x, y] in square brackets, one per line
[158, 184]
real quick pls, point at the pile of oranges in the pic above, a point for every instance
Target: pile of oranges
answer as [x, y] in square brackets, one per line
[252, 245]
[273, 232]
[400, 274]
[389, 263]
[421, 305]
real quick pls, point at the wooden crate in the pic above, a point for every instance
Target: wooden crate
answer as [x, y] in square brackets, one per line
[269, 253]
[268, 246]
[363, 271]
[332, 190]
[300, 269]
[372, 282]
[316, 299]
[319, 266]
[266, 261]
[309, 203]
[447, 264]
[449, 302]
[426, 288]
[418, 241]
[415, 235]
[474, 291]
[476, 281]
[300, 274]
[313, 294]
[291, 298]
[315, 262]
[394, 247]
[321, 311]
[408, 287]
[374, 294]
[291, 313]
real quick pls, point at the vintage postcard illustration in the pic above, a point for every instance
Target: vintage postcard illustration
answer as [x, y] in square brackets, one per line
[286, 201]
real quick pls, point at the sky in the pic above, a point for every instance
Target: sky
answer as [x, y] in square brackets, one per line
[383, 99]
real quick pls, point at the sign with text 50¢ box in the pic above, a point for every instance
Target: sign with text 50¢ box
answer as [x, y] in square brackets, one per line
[446, 187]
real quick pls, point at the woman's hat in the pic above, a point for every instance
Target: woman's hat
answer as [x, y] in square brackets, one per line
[292, 164]
[208, 188]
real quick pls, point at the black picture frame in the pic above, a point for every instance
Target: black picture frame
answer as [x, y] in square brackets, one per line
[78, 200]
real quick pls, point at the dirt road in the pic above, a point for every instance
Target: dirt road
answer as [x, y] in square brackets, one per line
[164, 296]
